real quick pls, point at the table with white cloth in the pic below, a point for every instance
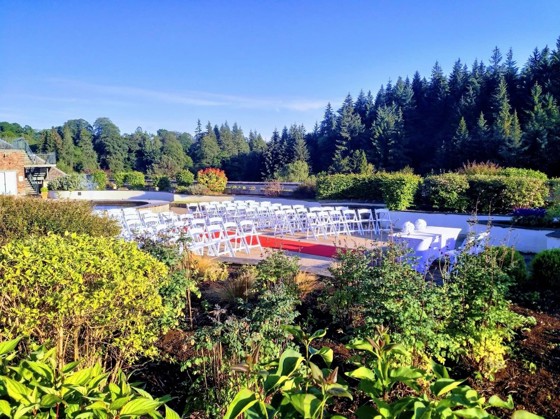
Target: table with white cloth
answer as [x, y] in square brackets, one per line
[448, 236]
[425, 246]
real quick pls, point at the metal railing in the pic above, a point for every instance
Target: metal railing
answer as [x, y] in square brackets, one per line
[36, 158]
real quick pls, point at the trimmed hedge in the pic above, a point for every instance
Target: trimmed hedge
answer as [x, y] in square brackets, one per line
[502, 194]
[445, 192]
[398, 189]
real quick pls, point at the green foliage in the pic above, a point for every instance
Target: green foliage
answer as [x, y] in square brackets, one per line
[119, 178]
[501, 194]
[185, 178]
[445, 192]
[135, 180]
[518, 172]
[39, 385]
[350, 186]
[162, 182]
[213, 179]
[24, 217]
[93, 298]
[554, 186]
[72, 182]
[398, 189]
[293, 386]
[511, 262]
[297, 386]
[545, 269]
[277, 267]
[195, 189]
[297, 171]
[100, 179]
[428, 393]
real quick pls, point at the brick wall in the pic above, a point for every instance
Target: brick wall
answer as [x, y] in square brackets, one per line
[14, 160]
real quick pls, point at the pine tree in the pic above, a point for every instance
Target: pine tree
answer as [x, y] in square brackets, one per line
[389, 147]
[297, 143]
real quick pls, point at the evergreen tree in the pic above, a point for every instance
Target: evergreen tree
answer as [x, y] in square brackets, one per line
[87, 156]
[326, 142]
[109, 145]
[297, 143]
[389, 148]
[207, 150]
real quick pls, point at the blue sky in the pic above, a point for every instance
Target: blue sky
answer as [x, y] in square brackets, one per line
[262, 64]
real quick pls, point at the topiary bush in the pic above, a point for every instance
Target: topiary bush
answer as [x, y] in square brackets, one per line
[135, 180]
[24, 217]
[545, 269]
[93, 298]
[445, 192]
[398, 189]
[214, 179]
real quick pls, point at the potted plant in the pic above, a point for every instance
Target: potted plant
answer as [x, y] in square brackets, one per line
[44, 191]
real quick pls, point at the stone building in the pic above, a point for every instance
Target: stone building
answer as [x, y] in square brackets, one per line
[22, 172]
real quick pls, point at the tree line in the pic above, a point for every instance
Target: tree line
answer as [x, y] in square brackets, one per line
[495, 112]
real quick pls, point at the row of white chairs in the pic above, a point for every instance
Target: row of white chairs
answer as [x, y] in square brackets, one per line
[287, 219]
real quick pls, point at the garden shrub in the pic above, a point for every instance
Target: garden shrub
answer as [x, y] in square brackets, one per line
[518, 172]
[349, 186]
[545, 269]
[38, 385]
[71, 182]
[483, 168]
[501, 194]
[398, 189]
[135, 180]
[307, 189]
[511, 262]
[445, 192]
[162, 182]
[24, 217]
[93, 298]
[195, 189]
[119, 178]
[184, 178]
[100, 179]
[554, 187]
[214, 179]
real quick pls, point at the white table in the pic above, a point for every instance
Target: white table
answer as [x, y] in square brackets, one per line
[448, 236]
[424, 245]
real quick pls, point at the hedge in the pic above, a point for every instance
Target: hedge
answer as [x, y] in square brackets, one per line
[445, 192]
[502, 194]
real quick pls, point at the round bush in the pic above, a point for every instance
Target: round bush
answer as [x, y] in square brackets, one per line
[184, 178]
[213, 179]
[546, 269]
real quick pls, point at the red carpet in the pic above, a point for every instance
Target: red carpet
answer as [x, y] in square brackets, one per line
[316, 249]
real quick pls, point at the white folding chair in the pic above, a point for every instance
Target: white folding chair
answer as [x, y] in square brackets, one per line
[383, 220]
[249, 234]
[219, 242]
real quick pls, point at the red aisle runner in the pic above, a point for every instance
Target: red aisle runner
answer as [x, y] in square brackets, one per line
[316, 249]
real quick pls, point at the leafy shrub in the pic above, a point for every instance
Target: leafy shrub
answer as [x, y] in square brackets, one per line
[511, 262]
[501, 194]
[195, 189]
[213, 179]
[297, 171]
[445, 192]
[72, 182]
[546, 269]
[24, 217]
[135, 180]
[349, 186]
[278, 267]
[162, 182]
[40, 386]
[554, 187]
[94, 298]
[119, 178]
[398, 189]
[184, 178]
[307, 189]
[518, 172]
[100, 179]
[391, 388]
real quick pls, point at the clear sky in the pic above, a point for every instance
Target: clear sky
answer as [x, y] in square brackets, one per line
[263, 64]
